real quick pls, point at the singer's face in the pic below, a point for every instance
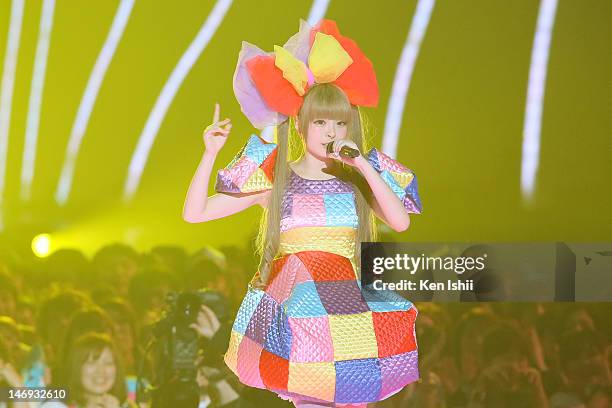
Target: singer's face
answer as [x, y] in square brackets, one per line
[321, 132]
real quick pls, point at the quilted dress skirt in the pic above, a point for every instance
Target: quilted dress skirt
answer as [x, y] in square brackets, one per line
[313, 333]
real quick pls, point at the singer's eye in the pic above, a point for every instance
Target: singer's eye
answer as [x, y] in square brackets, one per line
[319, 122]
[342, 123]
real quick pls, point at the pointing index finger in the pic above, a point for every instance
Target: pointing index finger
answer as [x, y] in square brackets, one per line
[216, 114]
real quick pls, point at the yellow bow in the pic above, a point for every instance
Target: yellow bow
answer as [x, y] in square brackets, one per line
[327, 61]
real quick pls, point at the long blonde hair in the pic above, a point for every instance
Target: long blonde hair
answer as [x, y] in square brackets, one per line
[321, 101]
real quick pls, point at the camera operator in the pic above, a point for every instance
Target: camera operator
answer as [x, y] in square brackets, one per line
[211, 369]
[191, 341]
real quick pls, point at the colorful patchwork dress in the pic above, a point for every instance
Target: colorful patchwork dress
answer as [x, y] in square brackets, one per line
[313, 333]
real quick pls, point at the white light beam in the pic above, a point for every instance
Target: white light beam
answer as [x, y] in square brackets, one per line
[89, 99]
[6, 93]
[165, 98]
[36, 92]
[317, 11]
[530, 155]
[403, 76]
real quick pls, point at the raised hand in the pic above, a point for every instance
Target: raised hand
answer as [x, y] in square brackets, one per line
[207, 322]
[215, 135]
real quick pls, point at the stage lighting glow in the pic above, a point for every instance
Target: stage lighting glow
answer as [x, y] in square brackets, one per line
[41, 245]
[403, 76]
[36, 92]
[532, 127]
[317, 11]
[8, 82]
[89, 99]
[165, 98]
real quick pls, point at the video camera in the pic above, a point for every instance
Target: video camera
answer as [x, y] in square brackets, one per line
[177, 346]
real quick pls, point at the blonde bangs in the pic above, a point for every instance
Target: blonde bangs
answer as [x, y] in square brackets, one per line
[324, 101]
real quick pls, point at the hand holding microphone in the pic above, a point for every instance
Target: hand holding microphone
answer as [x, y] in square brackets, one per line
[345, 151]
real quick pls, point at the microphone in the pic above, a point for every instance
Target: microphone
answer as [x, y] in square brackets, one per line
[344, 150]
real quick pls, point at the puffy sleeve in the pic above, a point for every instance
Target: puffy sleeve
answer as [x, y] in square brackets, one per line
[402, 180]
[252, 169]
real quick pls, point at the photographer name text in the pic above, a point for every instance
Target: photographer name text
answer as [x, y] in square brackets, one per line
[424, 284]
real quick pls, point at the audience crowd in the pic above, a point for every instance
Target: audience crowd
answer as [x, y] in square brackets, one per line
[87, 325]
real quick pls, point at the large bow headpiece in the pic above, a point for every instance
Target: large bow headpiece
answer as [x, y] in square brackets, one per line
[271, 86]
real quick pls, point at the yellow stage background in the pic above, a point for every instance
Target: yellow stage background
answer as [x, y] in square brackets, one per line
[461, 132]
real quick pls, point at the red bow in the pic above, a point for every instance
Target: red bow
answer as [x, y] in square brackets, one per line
[358, 81]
